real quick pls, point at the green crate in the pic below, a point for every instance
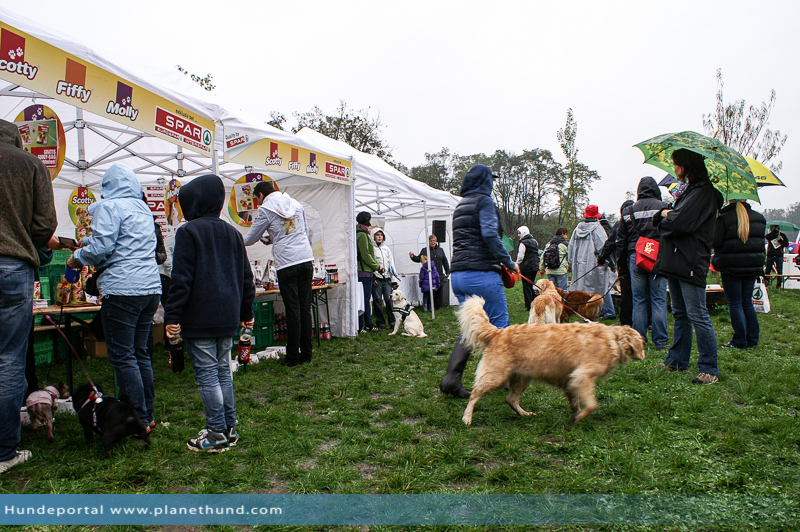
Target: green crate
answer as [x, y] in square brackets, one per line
[60, 256]
[43, 357]
[52, 270]
[45, 284]
[265, 335]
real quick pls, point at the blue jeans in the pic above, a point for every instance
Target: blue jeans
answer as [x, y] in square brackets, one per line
[607, 310]
[642, 283]
[127, 321]
[489, 286]
[365, 320]
[689, 308]
[744, 320]
[16, 319]
[559, 280]
[382, 293]
[211, 362]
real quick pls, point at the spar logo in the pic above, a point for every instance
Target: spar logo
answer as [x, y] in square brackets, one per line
[294, 162]
[336, 171]
[235, 139]
[274, 159]
[123, 106]
[12, 55]
[73, 83]
[312, 167]
[183, 129]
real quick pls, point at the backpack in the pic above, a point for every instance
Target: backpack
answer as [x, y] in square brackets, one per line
[551, 257]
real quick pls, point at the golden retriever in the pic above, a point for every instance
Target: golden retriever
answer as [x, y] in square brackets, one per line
[404, 315]
[571, 356]
[546, 307]
[586, 304]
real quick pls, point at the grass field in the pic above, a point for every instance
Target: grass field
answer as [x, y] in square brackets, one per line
[367, 417]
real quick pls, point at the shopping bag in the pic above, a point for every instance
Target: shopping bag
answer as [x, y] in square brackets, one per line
[760, 297]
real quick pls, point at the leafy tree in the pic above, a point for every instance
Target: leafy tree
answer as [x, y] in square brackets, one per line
[203, 82]
[575, 182]
[789, 214]
[439, 171]
[358, 129]
[277, 120]
[748, 134]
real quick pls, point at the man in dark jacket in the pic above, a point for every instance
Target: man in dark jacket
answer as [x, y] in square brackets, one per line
[609, 253]
[776, 246]
[638, 223]
[442, 266]
[478, 253]
[211, 294]
[27, 221]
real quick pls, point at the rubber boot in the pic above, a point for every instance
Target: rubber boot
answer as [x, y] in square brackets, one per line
[451, 383]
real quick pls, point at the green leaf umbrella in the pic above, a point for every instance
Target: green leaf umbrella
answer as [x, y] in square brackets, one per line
[783, 226]
[727, 168]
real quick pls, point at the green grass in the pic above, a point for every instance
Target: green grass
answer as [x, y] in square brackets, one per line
[367, 417]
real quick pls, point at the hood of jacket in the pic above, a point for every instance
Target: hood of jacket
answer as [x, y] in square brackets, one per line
[9, 134]
[523, 230]
[120, 182]
[204, 196]
[648, 188]
[625, 205]
[281, 204]
[584, 229]
[477, 181]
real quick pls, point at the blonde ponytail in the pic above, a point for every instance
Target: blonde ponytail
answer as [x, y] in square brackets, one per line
[744, 222]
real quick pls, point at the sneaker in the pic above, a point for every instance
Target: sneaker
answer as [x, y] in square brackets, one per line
[381, 327]
[664, 347]
[208, 441]
[20, 457]
[668, 368]
[232, 435]
[705, 378]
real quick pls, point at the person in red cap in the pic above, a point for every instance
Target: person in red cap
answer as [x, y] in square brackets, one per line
[584, 246]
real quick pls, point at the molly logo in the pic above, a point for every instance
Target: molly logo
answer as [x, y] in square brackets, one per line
[73, 83]
[274, 159]
[312, 167]
[12, 55]
[123, 106]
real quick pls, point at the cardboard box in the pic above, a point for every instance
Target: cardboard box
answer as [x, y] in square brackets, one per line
[158, 334]
[92, 346]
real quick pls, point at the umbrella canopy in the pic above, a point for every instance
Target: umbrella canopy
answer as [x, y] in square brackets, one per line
[727, 168]
[783, 226]
[764, 176]
[508, 243]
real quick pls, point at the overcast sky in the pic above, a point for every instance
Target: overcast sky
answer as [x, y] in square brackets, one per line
[475, 76]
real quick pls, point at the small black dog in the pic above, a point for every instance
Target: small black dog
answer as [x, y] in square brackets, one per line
[112, 418]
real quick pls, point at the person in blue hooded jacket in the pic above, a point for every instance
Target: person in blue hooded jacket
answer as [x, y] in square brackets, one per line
[478, 253]
[123, 242]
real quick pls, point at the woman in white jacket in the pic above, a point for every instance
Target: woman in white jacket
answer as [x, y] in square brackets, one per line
[382, 282]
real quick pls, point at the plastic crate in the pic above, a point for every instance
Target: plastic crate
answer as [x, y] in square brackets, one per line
[44, 282]
[265, 335]
[60, 256]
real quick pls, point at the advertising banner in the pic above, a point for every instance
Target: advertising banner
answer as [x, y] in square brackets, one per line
[271, 154]
[79, 202]
[157, 201]
[173, 209]
[43, 136]
[242, 205]
[38, 66]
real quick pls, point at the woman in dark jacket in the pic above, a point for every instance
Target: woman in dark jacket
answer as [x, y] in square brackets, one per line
[686, 233]
[778, 242]
[739, 257]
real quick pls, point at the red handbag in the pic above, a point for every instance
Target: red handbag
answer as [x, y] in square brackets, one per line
[646, 253]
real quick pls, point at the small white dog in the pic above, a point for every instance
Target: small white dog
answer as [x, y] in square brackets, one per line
[404, 314]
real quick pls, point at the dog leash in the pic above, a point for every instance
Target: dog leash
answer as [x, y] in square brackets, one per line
[586, 320]
[582, 276]
[77, 357]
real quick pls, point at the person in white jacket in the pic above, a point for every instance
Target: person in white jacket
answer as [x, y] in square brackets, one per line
[284, 219]
[382, 282]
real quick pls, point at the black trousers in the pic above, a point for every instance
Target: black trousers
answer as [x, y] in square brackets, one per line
[527, 288]
[295, 286]
[626, 301]
[778, 262]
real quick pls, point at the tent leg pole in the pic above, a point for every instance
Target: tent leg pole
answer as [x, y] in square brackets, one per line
[431, 264]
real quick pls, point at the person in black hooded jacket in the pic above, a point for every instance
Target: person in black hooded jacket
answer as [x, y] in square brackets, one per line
[686, 233]
[638, 222]
[211, 294]
[608, 253]
[739, 258]
[778, 242]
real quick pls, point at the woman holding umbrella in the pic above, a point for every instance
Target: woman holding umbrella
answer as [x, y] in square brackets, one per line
[686, 234]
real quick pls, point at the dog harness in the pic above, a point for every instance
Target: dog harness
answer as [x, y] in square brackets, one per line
[403, 311]
[95, 399]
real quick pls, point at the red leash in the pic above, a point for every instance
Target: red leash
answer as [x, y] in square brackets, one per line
[586, 320]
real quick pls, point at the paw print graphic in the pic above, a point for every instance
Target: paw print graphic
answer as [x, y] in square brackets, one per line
[20, 52]
[127, 101]
[12, 54]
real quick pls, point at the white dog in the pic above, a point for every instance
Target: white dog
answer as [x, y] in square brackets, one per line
[404, 314]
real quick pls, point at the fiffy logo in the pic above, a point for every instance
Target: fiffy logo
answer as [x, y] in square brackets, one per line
[123, 105]
[12, 55]
[294, 162]
[73, 83]
[312, 167]
[182, 129]
[274, 159]
[336, 171]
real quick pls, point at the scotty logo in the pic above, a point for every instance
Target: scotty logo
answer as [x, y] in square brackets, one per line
[73, 91]
[12, 53]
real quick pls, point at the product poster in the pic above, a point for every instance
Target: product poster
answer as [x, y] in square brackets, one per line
[157, 201]
[79, 202]
[43, 136]
[173, 210]
[243, 204]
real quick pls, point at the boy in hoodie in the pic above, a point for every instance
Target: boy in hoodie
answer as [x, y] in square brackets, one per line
[210, 296]
[284, 219]
[27, 221]
[478, 253]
